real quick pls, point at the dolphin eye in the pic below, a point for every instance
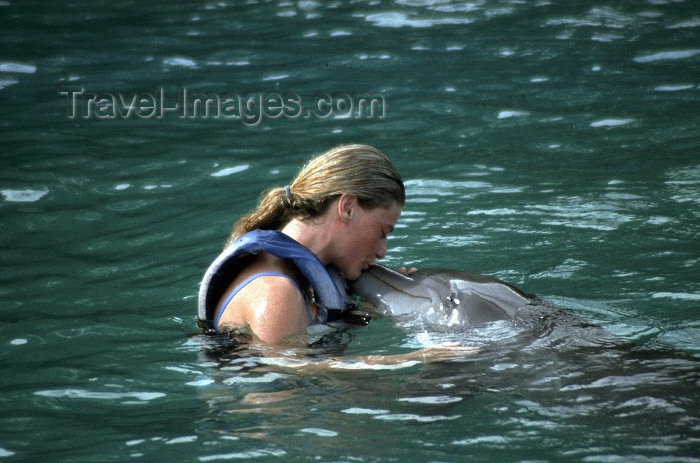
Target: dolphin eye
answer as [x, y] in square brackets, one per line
[452, 301]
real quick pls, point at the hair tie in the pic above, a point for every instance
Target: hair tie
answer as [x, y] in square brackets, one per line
[287, 191]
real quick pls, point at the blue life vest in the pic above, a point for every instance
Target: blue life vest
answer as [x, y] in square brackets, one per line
[325, 281]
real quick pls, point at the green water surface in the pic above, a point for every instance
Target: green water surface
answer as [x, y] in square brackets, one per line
[551, 144]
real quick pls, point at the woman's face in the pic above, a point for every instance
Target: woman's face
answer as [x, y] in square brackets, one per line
[365, 238]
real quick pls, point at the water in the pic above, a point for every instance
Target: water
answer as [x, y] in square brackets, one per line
[550, 144]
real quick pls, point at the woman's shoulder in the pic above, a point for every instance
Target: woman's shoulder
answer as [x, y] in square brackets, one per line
[270, 302]
[266, 279]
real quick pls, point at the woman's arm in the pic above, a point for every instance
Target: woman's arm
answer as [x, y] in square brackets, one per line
[272, 307]
[432, 354]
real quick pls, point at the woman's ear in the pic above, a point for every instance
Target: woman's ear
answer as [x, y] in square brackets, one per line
[346, 207]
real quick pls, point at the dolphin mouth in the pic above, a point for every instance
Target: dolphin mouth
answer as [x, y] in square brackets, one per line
[379, 271]
[378, 279]
[389, 277]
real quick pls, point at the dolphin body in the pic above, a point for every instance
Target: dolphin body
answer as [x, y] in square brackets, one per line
[441, 296]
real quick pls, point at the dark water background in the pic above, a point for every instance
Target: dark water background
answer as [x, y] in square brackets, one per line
[551, 144]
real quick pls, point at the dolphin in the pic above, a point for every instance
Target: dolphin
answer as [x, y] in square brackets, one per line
[441, 296]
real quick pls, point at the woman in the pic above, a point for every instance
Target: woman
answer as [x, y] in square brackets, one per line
[277, 274]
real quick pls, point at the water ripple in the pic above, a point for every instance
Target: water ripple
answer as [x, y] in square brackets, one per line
[86, 394]
[667, 55]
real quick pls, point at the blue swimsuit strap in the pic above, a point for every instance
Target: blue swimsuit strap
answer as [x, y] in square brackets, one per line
[235, 291]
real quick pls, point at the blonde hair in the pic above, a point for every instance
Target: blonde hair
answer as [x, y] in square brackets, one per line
[360, 170]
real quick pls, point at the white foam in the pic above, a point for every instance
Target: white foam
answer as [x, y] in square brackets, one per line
[659, 220]
[512, 113]
[308, 4]
[319, 432]
[23, 196]
[498, 211]
[246, 455]
[414, 417]
[230, 171]
[481, 440]
[440, 187]
[394, 19]
[364, 411]
[432, 400]
[670, 295]
[695, 22]
[275, 77]
[606, 37]
[181, 62]
[18, 67]
[504, 366]
[183, 370]
[7, 82]
[200, 382]
[673, 88]
[611, 122]
[85, 394]
[667, 55]
[181, 440]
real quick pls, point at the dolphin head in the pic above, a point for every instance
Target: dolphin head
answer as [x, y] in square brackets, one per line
[391, 292]
[440, 296]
